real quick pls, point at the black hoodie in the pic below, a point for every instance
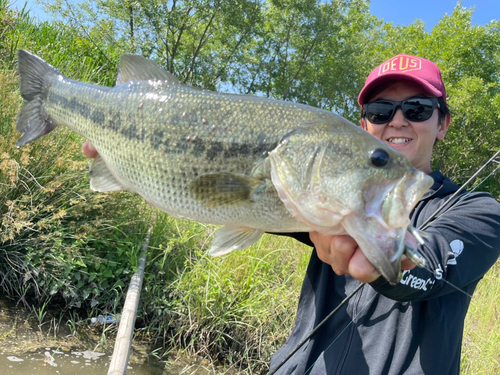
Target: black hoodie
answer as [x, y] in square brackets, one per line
[414, 327]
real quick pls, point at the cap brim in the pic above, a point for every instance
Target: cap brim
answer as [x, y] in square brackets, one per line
[428, 88]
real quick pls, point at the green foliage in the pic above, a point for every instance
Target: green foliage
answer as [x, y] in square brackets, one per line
[309, 53]
[470, 62]
[198, 41]
[60, 45]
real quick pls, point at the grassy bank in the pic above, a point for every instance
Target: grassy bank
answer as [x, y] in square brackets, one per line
[480, 354]
[66, 246]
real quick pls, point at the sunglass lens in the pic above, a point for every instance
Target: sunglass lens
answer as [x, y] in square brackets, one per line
[380, 112]
[418, 109]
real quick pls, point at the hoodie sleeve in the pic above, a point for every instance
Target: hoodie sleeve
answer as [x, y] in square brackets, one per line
[460, 246]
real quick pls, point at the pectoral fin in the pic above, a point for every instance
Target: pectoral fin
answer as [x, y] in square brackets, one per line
[101, 178]
[229, 238]
[223, 189]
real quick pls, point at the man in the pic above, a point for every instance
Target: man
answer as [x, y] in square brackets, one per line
[416, 326]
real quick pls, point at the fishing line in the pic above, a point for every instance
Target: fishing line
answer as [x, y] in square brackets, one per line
[466, 194]
[447, 282]
[319, 326]
[433, 216]
[423, 226]
[347, 326]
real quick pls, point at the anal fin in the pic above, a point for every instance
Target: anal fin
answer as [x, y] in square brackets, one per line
[230, 238]
[101, 178]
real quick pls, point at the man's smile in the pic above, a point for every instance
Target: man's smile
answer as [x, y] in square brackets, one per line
[398, 140]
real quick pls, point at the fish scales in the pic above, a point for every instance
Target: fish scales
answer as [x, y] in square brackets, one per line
[160, 122]
[250, 163]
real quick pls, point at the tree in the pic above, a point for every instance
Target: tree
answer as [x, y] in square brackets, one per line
[305, 51]
[469, 57]
[308, 51]
[198, 41]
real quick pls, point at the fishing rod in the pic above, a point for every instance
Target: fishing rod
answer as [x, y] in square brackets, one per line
[423, 226]
[442, 207]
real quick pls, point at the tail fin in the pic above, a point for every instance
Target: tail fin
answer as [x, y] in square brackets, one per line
[34, 77]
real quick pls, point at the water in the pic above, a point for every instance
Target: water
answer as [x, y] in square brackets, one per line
[52, 361]
[26, 349]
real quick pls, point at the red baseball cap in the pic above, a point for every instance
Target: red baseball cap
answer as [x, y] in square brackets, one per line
[406, 67]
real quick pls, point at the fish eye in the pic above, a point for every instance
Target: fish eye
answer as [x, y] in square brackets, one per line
[379, 157]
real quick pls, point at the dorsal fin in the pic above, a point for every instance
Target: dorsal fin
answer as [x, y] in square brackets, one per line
[138, 68]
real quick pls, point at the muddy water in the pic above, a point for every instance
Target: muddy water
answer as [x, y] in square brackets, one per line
[52, 361]
[25, 348]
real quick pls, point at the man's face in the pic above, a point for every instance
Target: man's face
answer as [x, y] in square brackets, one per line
[414, 139]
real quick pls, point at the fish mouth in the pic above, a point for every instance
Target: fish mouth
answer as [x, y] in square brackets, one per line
[383, 247]
[380, 230]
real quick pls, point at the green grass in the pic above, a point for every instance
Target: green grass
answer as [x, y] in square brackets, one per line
[480, 349]
[236, 309]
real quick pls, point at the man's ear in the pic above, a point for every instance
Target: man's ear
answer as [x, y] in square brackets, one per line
[363, 123]
[443, 127]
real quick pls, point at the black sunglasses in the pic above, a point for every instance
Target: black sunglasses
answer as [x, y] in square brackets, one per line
[414, 109]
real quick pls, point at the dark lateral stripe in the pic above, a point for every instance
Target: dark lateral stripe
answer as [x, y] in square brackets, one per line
[115, 122]
[75, 106]
[211, 150]
[133, 132]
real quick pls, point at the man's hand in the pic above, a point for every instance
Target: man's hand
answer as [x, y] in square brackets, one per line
[89, 150]
[343, 254]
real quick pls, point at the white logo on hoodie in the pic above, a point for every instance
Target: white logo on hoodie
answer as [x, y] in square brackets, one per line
[457, 246]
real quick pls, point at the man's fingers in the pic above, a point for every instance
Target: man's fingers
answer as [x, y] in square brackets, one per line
[334, 250]
[342, 250]
[322, 244]
[320, 240]
[407, 264]
[361, 269]
[89, 150]
[344, 244]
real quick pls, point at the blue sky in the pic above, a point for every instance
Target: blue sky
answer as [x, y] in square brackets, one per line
[400, 12]
[431, 11]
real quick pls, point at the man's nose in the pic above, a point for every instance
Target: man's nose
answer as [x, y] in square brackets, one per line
[399, 119]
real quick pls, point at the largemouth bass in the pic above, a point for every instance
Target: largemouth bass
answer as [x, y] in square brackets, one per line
[249, 163]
